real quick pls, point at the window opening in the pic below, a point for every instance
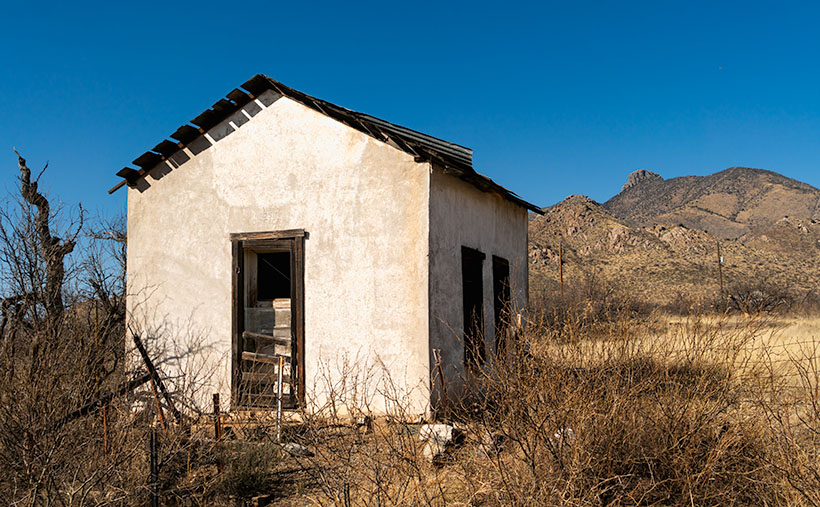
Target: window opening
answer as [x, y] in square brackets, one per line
[273, 280]
[473, 298]
[501, 300]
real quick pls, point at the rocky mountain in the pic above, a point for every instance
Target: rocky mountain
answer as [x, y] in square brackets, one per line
[727, 204]
[640, 176]
[658, 239]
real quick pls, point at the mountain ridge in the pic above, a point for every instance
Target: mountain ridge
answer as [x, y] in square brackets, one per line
[727, 203]
[658, 239]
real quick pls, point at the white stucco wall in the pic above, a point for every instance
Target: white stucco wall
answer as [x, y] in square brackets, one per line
[462, 215]
[364, 205]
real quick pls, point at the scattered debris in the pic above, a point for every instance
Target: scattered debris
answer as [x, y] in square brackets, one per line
[297, 450]
[490, 445]
[438, 439]
[564, 436]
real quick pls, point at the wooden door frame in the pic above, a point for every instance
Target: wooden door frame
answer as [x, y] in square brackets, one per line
[239, 242]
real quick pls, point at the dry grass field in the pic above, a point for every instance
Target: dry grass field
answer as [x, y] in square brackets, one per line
[783, 344]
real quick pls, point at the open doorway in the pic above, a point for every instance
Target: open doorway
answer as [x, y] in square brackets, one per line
[268, 323]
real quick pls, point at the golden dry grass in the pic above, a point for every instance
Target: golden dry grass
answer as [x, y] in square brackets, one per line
[783, 345]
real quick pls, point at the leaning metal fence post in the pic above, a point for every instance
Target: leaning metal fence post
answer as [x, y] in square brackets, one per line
[149, 365]
[279, 400]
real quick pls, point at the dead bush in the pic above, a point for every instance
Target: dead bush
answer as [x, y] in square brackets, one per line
[757, 296]
[613, 416]
[788, 403]
[249, 467]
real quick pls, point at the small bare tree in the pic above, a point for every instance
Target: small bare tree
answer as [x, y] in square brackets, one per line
[53, 249]
[62, 335]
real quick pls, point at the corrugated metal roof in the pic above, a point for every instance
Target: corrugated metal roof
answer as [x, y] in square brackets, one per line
[456, 159]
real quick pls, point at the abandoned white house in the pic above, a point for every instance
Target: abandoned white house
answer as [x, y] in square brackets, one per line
[279, 224]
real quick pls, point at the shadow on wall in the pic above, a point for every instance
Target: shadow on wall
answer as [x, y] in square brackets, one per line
[189, 146]
[190, 363]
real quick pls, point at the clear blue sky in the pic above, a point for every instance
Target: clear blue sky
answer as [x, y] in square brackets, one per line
[555, 98]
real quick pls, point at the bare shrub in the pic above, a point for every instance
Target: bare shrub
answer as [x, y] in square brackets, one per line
[61, 348]
[758, 295]
[612, 416]
[807, 303]
[617, 419]
[585, 309]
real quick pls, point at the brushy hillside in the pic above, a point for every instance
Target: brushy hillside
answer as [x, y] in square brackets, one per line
[790, 237]
[665, 264]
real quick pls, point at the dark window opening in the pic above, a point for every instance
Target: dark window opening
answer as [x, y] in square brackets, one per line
[472, 286]
[501, 300]
[273, 272]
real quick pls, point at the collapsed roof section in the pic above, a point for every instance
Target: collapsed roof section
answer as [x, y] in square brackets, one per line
[455, 159]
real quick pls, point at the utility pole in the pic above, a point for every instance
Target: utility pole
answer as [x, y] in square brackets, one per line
[561, 267]
[720, 267]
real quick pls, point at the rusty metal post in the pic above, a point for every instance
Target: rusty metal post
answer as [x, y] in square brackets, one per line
[279, 400]
[105, 429]
[153, 479]
[217, 429]
[217, 423]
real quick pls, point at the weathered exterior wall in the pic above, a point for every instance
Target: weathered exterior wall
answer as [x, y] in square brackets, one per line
[462, 215]
[364, 205]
